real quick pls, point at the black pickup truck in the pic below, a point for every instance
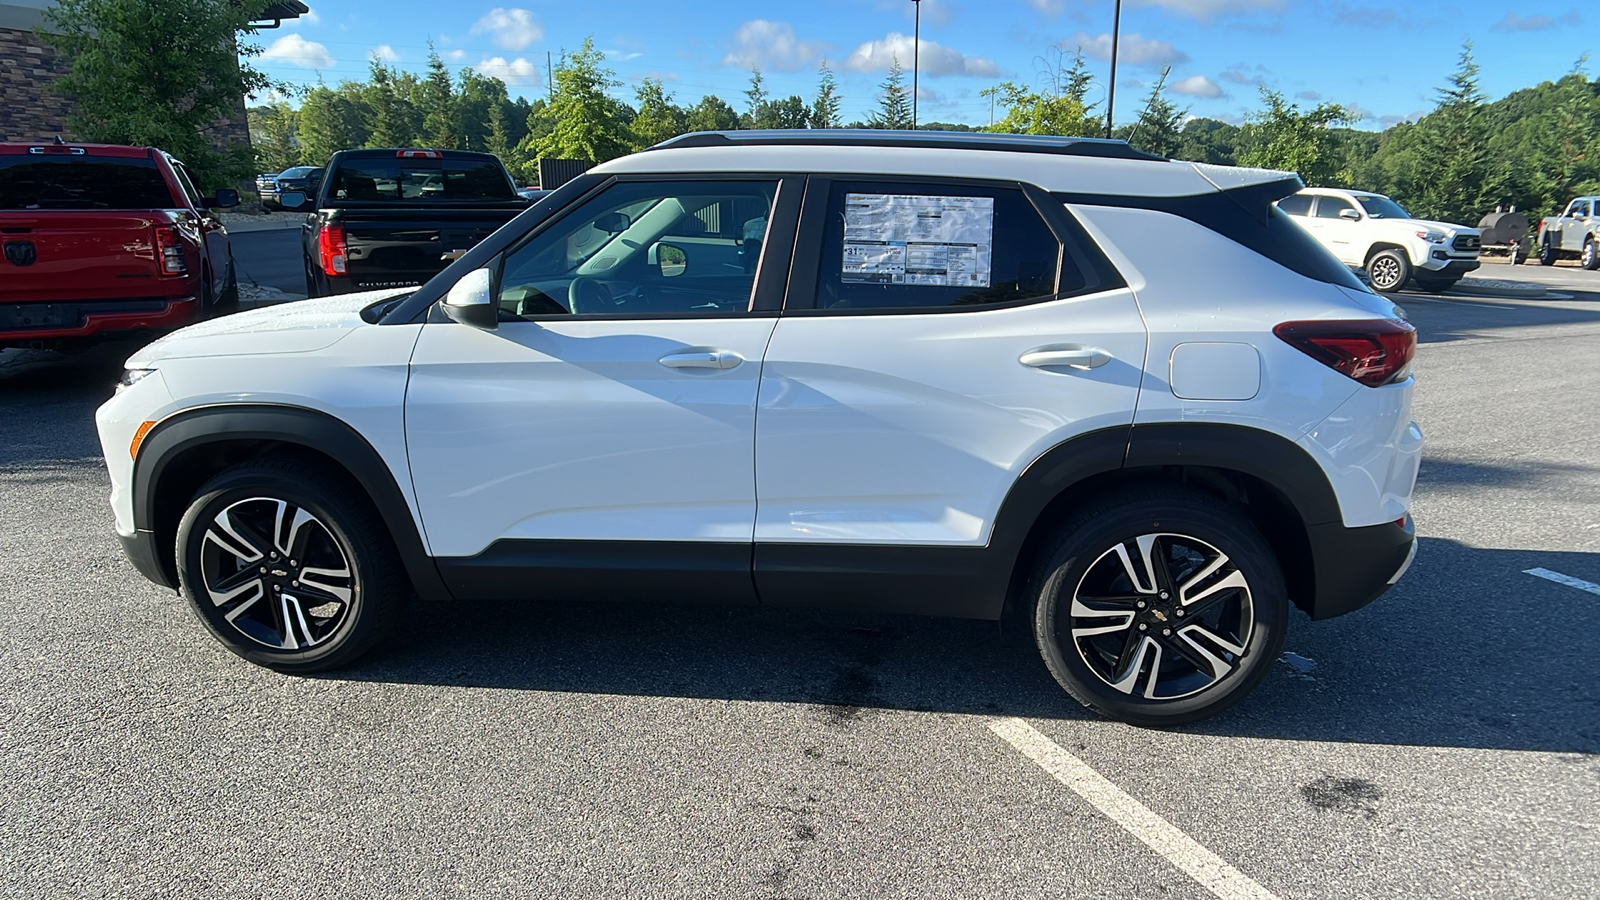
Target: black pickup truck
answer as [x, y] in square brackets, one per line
[396, 218]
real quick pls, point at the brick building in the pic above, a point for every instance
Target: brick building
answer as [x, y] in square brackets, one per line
[31, 111]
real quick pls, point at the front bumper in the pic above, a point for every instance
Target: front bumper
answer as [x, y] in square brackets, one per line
[141, 550]
[1453, 266]
[1354, 566]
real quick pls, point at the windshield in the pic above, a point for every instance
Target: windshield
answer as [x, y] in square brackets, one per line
[1382, 207]
[297, 172]
[422, 179]
[78, 182]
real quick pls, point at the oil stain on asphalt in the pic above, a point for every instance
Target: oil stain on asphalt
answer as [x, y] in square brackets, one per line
[1353, 796]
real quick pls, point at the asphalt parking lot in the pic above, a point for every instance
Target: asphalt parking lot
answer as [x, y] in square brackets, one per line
[1443, 742]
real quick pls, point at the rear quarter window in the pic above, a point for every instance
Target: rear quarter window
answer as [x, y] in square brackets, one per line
[82, 182]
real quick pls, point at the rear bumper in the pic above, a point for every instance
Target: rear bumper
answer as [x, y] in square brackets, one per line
[140, 548]
[1354, 566]
[22, 323]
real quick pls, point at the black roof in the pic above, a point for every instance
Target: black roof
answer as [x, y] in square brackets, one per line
[278, 10]
[943, 140]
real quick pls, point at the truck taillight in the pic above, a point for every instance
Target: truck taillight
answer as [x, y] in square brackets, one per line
[171, 250]
[330, 243]
[1374, 352]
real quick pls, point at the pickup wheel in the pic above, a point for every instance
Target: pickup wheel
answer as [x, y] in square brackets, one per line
[1591, 255]
[1159, 606]
[1389, 269]
[1548, 254]
[289, 566]
[311, 284]
[228, 300]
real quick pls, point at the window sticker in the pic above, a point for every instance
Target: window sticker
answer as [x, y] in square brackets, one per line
[909, 239]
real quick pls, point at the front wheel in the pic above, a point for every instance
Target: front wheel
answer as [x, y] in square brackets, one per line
[1159, 607]
[1434, 285]
[1390, 270]
[1548, 253]
[289, 566]
[1591, 255]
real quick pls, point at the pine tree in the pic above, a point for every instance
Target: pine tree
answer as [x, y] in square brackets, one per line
[1078, 80]
[274, 132]
[1462, 180]
[439, 125]
[1160, 123]
[755, 97]
[391, 118]
[825, 108]
[894, 105]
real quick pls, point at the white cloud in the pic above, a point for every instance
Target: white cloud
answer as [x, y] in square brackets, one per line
[622, 55]
[1309, 96]
[1514, 22]
[1391, 121]
[1133, 49]
[935, 59]
[1048, 7]
[297, 51]
[771, 45]
[310, 18]
[1205, 9]
[456, 55]
[1357, 113]
[513, 29]
[385, 53]
[517, 71]
[1197, 86]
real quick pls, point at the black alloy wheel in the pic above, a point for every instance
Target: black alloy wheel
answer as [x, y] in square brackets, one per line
[1390, 270]
[288, 566]
[1161, 607]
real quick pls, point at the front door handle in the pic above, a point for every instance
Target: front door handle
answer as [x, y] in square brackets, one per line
[702, 359]
[1065, 356]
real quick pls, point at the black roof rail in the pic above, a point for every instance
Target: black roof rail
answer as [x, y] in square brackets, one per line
[941, 140]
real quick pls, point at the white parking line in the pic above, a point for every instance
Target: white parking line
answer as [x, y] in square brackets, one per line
[1454, 302]
[1210, 870]
[1567, 580]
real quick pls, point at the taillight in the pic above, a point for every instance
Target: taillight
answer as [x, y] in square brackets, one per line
[1374, 352]
[330, 241]
[171, 251]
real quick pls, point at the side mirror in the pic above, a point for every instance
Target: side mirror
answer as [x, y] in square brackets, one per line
[670, 258]
[293, 201]
[226, 198]
[471, 301]
[1350, 214]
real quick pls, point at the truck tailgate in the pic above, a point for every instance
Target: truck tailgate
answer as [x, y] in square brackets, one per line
[401, 250]
[55, 256]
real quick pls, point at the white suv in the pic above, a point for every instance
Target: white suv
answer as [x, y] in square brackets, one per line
[1375, 233]
[1120, 398]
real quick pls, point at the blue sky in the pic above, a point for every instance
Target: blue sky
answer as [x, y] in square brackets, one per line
[1384, 58]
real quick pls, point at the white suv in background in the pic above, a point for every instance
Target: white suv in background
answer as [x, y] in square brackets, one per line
[1375, 233]
[1122, 399]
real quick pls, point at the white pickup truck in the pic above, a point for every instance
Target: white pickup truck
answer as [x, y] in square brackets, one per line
[1575, 234]
[1372, 231]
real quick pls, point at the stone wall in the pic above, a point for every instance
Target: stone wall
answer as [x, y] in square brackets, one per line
[29, 109]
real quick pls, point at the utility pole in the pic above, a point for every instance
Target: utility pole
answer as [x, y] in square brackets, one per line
[916, 52]
[550, 74]
[1111, 88]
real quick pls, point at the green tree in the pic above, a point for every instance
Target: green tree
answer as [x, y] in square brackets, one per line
[478, 97]
[659, 118]
[825, 108]
[1032, 112]
[1077, 80]
[159, 72]
[712, 113]
[441, 127]
[1160, 123]
[755, 96]
[894, 104]
[1283, 137]
[329, 122]
[393, 117]
[274, 133]
[1208, 141]
[584, 123]
[1458, 180]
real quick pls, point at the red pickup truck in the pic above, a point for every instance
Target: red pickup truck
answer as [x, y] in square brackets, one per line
[101, 240]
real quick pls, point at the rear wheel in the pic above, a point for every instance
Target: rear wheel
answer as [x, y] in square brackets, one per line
[1390, 270]
[1591, 255]
[1159, 606]
[289, 566]
[228, 300]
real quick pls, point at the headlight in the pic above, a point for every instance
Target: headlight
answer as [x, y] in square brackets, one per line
[131, 377]
[1432, 237]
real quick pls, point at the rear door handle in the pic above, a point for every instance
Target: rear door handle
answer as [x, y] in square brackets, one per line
[1065, 356]
[702, 359]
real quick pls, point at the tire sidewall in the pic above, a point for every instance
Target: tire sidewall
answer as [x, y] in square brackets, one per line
[1230, 534]
[353, 635]
[1591, 258]
[1401, 262]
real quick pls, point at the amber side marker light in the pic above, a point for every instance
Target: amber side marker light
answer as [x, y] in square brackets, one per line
[138, 438]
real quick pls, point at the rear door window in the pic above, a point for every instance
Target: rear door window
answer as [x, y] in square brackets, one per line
[1297, 205]
[420, 180]
[82, 182]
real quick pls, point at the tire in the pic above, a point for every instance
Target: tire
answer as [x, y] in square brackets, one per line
[1390, 270]
[228, 301]
[247, 545]
[1591, 255]
[311, 284]
[1194, 670]
[1548, 254]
